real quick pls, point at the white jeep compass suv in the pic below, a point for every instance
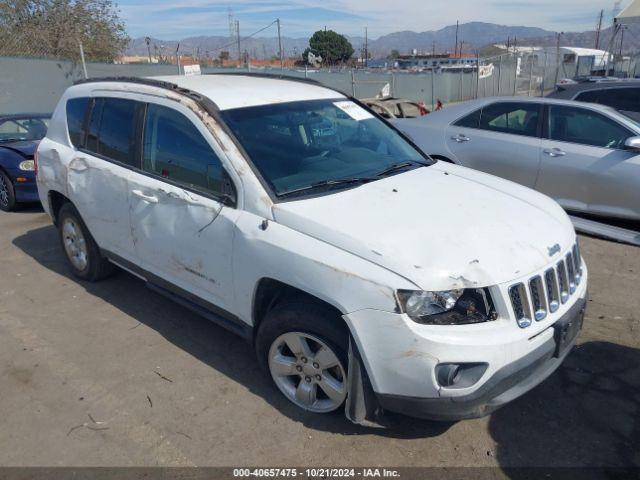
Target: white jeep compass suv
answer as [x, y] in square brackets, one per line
[365, 273]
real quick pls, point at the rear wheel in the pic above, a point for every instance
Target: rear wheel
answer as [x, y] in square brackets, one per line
[7, 193]
[79, 246]
[304, 349]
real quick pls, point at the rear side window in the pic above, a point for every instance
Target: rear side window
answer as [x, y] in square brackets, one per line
[515, 118]
[592, 96]
[175, 149]
[112, 129]
[76, 112]
[471, 121]
[626, 99]
[579, 125]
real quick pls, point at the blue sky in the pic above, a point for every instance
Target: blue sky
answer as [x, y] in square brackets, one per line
[171, 19]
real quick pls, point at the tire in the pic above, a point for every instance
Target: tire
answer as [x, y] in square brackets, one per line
[315, 381]
[7, 193]
[79, 247]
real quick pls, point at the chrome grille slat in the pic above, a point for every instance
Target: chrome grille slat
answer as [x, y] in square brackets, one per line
[571, 272]
[538, 298]
[543, 294]
[563, 283]
[520, 303]
[553, 293]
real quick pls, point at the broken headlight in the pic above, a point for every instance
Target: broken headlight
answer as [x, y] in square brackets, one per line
[449, 307]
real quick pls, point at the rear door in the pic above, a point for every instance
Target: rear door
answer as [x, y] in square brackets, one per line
[182, 226]
[97, 176]
[584, 165]
[502, 138]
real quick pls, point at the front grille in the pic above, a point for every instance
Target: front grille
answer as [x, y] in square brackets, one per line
[543, 295]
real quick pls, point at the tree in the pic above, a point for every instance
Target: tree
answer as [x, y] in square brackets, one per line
[331, 46]
[393, 55]
[56, 28]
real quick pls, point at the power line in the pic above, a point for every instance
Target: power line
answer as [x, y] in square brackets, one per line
[235, 42]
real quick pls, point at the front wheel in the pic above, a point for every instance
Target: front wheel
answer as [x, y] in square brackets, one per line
[7, 193]
[304, 349]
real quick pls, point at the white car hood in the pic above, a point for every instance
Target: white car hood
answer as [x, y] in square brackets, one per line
[440, 227]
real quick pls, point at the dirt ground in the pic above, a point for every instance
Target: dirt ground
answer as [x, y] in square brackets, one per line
[113, 374]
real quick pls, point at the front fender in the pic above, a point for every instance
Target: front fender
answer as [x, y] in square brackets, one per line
[267, 249]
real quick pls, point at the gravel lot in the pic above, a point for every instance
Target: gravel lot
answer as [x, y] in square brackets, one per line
[113, 374]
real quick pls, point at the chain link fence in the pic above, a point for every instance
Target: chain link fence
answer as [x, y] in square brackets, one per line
[34, 75]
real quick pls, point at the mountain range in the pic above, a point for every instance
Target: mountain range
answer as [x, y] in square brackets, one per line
[475, 36]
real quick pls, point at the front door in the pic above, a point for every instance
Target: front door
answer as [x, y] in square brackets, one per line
[503, 139]
[182, 230]
[584, 165]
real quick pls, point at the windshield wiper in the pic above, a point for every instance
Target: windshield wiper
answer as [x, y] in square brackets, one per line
[399, 166]
[328, 183]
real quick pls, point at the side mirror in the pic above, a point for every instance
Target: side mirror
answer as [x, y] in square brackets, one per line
[632, 144]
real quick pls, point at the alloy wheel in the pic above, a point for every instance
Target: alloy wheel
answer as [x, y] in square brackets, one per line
[75, 245]
[308, 372]
[4, 192]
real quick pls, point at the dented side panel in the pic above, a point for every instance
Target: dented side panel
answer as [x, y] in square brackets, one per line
[270, 250]
[99, 190]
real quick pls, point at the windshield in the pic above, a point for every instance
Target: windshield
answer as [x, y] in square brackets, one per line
[17, 129]
[320, 145]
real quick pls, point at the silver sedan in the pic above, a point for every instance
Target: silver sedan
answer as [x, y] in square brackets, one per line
[585, 156]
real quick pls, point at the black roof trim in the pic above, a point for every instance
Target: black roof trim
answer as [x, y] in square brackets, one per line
[196, 96]
[152, 83]
[273, 76]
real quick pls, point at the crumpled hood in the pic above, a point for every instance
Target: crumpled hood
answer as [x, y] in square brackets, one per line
[440, 227]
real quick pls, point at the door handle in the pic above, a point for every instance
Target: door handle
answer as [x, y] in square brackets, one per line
[555, 152]
[460, 138]
[146, 198]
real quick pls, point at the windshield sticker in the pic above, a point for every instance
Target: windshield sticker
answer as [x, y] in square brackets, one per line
[354, 110]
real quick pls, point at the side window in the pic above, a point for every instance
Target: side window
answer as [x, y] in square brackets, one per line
[174, 148]
[626, 99]
[471, 121]
[592, 96]
[515, 118]
[579, 125]
[112, 129]
[76, 112]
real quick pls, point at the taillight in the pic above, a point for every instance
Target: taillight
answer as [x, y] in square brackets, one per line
[35, 163]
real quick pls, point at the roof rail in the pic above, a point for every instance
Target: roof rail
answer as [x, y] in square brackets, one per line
[153, 83]
[273, 76]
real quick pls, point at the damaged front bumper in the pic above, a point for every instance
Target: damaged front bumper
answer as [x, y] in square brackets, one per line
[400, 359]
[507, 384]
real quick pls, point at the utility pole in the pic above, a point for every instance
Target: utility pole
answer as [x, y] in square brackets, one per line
[84, 64]
[280, 53]
[599, 29]
[366, 49]
[557, 56]
[178, 57]
[455, 50]
[238, 42]
[148, 41]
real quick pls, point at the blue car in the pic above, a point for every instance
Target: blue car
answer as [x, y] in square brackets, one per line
[19, 138]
